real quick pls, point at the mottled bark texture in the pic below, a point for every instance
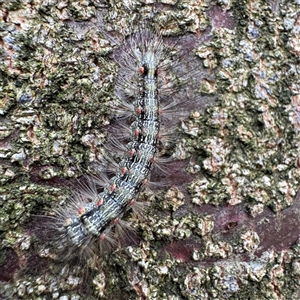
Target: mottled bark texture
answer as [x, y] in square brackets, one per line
[227, 226]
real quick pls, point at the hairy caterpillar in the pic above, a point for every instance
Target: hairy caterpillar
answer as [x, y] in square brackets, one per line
[85, 225]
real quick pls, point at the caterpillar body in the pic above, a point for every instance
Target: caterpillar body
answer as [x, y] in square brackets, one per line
[86, 223]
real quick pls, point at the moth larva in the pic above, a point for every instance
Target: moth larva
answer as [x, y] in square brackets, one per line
[86, 223]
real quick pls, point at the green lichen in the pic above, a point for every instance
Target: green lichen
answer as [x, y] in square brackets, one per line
[240, 140]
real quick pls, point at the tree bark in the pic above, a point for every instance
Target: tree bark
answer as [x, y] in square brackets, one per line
[227, 226]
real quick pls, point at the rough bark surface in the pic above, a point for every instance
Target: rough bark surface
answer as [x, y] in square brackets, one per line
[228, 226]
